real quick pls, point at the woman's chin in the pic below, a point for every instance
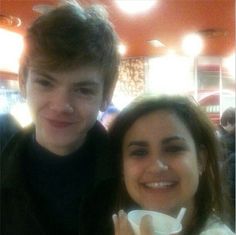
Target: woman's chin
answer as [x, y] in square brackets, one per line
[172, 211]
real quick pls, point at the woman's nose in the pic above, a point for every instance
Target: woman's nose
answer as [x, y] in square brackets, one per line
[158, 165]
[162, 165]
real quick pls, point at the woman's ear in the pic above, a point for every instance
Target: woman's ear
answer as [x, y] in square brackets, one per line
[202, 159]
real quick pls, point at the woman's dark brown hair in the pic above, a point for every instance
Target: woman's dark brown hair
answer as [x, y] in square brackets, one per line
[209, 196]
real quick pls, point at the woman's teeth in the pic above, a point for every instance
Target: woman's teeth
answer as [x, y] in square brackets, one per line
[156, 185]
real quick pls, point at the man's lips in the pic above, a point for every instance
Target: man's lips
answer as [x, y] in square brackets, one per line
[59, 123]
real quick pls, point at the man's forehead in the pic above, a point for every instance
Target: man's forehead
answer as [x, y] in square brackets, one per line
[82, 75]
[66, 69]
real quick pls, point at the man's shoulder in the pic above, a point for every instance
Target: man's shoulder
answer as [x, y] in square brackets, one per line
[98, 137]
[99, 131]
[98, 143]
[18, 141]
[11, 159]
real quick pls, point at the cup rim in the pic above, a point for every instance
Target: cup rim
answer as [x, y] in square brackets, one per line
[177, 229]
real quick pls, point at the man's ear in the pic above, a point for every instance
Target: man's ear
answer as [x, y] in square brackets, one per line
[202, 159]
[22, 84]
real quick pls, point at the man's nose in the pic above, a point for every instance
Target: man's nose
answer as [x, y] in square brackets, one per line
[62, 102]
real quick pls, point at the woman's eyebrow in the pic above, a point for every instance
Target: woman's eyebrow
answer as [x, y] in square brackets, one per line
[173, 138]
[137, 143]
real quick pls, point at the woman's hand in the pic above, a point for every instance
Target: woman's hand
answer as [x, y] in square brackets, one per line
[123, 227]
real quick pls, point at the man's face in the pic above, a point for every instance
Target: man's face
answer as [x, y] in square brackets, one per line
[64, 106]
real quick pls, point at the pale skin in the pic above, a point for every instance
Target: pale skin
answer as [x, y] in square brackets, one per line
[161, 166]
[64, 106]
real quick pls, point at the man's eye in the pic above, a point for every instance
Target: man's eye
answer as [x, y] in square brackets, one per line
[44, 82]
[84, 91]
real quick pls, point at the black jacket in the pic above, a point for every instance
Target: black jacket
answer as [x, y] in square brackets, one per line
[18, 214]
[8, 127]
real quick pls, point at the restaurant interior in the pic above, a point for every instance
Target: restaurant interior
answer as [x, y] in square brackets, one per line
[166, 47]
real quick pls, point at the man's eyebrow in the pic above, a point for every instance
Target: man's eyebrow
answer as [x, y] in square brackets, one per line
[172, 138]
[137, 143]
[86, 83]
[44, 74]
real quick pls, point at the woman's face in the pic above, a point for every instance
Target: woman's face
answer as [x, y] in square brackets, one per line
[160, 163]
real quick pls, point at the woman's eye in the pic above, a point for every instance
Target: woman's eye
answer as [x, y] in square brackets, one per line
[138, 153]
[174, 149]
[86, 91]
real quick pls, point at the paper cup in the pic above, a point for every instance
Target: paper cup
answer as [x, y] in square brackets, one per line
[163, 224]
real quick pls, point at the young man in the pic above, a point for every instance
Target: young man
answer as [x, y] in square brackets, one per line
[56, 177]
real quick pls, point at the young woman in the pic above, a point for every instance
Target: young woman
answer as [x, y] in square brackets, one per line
[167, 152]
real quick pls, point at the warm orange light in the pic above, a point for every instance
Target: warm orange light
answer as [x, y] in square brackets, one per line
[192, 44]
[135, 6]
[22, 114]
[11, 45]
[229, 64]
[122, 49]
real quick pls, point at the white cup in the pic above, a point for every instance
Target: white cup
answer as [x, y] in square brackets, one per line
[163, 224]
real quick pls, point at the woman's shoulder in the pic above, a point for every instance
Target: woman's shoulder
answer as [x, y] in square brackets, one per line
[214, 226]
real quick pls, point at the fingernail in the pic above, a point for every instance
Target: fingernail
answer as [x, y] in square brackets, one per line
[121, 212]
[114, 218]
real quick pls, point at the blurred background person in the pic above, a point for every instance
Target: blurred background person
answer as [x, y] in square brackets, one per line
[226, 134]
[108, 117]
[226, 130]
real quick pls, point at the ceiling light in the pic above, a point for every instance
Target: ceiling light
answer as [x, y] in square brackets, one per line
[192, 44]
[43, 8]
[22, 114]
[9, 21]
[122, 49]
[135, 6]
[229, 64]
[11, 45]
[156, 43]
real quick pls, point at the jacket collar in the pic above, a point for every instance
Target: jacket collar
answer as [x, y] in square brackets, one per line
[12, 175]
[11, 160]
